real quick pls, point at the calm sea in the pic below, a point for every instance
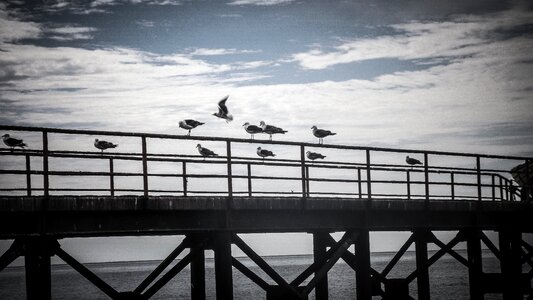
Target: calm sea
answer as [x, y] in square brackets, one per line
[449, 278]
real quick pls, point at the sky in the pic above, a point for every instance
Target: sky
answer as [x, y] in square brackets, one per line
[433, 75]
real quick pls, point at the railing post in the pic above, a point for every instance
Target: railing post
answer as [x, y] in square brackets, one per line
[478, 171]
[426, 176]
[359, 183]
[46, 182]
[302, 161]
[507, 192]
[452, 183]
[230, 179]
[145, 169]
[527, 188]
[501, 189]
[111, 177]
[408, 185]
[307, 181]
[184, 177]
[368, 177]
[493, 190]
[28, 175]
[249, 169]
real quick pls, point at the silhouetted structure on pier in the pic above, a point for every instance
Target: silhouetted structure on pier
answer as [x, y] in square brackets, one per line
[470, 197]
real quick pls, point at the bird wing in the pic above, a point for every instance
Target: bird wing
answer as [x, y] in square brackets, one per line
[253, 128]
[267, 152]
[222, 106]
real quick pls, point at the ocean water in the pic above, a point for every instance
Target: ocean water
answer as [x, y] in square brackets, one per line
[449, 278]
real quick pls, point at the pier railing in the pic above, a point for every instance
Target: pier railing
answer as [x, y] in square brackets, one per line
[368, 172]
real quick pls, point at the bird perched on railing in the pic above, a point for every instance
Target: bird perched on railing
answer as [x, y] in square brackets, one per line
[412, 161]
[270, 130]
[103, 145]
[13, 142]
[264, 153]
[314, 155]
[205, 152]
[189, 124]
[223, 111]
[252, 129]
[321, 134]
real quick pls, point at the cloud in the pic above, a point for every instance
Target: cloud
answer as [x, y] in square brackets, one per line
[145, 23]
[69, 33]
[460, 37]
[13, 29]
[220, 51]
[260, 2]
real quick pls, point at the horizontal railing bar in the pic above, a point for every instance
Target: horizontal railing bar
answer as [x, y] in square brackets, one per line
[249, 141]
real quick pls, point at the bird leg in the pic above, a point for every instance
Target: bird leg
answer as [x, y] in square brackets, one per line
[270, 137]
[189, 133]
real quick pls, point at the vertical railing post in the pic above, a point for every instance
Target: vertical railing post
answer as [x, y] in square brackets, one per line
[145, 169]
[184, 177]
[452, 184]
[493, 187]
[426, 176]
[507, 192]
[302, 162]
[478, 175]
[307, 181]
[230, 179]
[249, 177]
[527, 188]
[408, 185]
[46, 180]
[359, 186]
[111, 177]
[501, 189]
[28, 175]
[368, 177]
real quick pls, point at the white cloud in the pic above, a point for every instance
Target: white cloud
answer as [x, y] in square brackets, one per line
[69, 33]
[220, 51]
[145, 23]
[463, 36]
[260, 2]
[13, 29]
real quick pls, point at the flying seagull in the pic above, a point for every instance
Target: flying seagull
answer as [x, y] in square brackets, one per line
[252, 129]
[314, 155]
[321, 134]
[223, 111]
[270, 130]
[102, 145]
[412, 161]
[205, 152]
[13, 142]
[264, 153]
[189, 124]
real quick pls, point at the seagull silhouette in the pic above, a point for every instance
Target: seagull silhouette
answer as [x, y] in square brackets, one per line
[223, 111]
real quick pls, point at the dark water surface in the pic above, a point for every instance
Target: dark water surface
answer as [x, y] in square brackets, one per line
[449, 278]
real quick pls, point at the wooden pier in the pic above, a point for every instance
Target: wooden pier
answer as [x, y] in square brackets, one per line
[40, 205]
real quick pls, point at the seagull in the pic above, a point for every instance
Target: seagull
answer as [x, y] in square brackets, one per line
[252, 129]
[264, 153]
[321, 134]
[102, 145]
[205, 152]
[189, 124]
[13, 142]
[223, 112]
[269, 129]
[314, 155]
[412, 161]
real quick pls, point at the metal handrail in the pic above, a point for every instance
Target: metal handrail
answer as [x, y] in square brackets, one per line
[505, 186]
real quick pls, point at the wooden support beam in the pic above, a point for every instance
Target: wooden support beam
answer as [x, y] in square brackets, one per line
[490, 245]
[198, 272]
[37, 253]
[263, 265]
[162, 266]
[329, 264]
[363, 278]
[475, 268]
[452, 253]
[168, 276]
[319, 252]
[250, 274]
[398, 255]
[223, 269]
[421, 248]
[14, 251]
[99, 283]
[510, 264]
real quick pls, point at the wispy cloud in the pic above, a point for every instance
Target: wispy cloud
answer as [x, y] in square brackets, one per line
[69, 33]
[220, 51]
[145, 23]
[460, 37]
[260, 2]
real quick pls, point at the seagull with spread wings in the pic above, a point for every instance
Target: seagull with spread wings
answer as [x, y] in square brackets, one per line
[223, 111]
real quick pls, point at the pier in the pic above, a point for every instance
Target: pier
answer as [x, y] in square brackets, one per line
[152, 184]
